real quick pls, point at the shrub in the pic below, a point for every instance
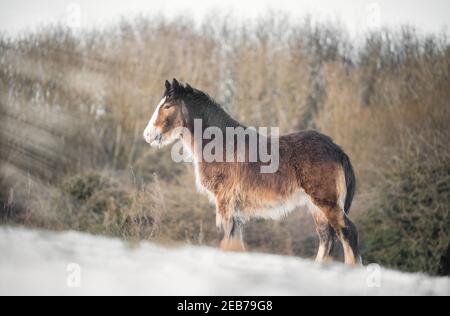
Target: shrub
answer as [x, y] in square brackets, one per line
[100, 204]
[410, 229]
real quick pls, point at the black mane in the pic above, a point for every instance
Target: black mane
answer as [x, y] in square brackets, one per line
[200, 106]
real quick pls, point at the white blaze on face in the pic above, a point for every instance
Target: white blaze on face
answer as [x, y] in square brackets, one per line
[150, 132]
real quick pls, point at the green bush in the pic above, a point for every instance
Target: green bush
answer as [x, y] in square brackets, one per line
[82, 187]
[410, 230]
[100, 204]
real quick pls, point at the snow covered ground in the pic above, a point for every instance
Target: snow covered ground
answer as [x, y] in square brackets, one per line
[44, 263]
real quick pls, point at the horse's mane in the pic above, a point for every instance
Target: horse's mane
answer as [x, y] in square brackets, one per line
[201, 106]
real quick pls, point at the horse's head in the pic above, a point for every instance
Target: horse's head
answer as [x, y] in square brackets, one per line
[170, 116]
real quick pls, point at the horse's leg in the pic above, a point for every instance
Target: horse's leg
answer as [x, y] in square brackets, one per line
[232, 240]
[327, 236]
[232, 229]
[346, 232]
[349, 239]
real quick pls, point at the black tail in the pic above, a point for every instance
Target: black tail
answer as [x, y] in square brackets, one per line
[350, 180]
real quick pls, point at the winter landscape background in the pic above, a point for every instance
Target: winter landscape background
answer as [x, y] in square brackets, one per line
[77, 92]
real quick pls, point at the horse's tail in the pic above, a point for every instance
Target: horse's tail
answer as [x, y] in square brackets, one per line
[350, 181]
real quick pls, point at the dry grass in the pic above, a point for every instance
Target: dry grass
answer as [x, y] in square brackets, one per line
[73, 108]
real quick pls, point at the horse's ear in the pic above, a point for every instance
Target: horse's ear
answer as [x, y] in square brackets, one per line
[175, 84]
[167, 85]
[189, 88]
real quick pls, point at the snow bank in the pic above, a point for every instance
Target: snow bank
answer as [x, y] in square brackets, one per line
[44, 263]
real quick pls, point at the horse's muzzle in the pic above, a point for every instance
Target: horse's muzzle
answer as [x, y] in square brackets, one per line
[154, 138]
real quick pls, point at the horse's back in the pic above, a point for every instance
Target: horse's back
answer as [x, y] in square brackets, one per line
[321, 167]
[311, 145]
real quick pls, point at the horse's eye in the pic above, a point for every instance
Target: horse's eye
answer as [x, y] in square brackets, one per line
[168, 106]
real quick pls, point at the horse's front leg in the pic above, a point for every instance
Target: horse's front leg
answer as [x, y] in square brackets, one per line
[232, 228]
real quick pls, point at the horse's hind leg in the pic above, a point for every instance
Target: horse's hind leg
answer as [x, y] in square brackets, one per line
[349, 239]
[346, 232]
[327, 236]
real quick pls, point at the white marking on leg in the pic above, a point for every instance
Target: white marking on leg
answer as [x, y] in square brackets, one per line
[321, 253]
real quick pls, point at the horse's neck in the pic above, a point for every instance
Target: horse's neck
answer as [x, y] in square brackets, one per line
[214, 118]
[220, 119]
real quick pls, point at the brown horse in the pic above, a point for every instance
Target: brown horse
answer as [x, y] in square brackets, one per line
[313, 172]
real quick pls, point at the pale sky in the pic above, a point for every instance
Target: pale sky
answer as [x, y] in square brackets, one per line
[357, 15]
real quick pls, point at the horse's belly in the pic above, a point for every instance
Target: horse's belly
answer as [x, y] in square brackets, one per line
[280, 208]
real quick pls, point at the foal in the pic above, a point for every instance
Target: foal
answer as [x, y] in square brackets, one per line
[313, 172]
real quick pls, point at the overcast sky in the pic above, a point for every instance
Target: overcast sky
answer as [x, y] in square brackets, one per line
[357, 15]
